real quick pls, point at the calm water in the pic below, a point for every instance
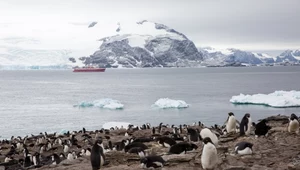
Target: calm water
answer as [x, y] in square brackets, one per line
[38, 101]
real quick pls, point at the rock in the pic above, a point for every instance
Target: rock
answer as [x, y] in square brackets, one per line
[178, 158]
[2, 167]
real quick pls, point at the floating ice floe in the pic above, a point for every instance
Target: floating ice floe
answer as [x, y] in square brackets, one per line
[278, 99]
[108, 125]
[102, 103]
[165, 103]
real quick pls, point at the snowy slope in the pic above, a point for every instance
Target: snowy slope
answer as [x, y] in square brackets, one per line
[42, 44]
[222, 57]
[289, 56]
[146, 44]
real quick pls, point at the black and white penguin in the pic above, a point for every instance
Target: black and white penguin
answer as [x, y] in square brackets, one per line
[182, 147]
[243, 148]
[152, 162]
[166, 141]
[293, 126]
[209, 157]
[55, 159]
[135, 144]
[230, 123]
[245, 126]
[27, 158]
[97, 155]
[36, 159]
[261, 128]
[193, 134]
[137, 150]
[208, 133]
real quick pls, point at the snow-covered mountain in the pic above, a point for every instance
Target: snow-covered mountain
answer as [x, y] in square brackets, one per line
[289, 56]
[146, 44]
[222, 57]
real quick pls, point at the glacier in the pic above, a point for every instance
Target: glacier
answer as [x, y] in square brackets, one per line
[277, 99]
[166, 103]
[109, 125]
[105, 103]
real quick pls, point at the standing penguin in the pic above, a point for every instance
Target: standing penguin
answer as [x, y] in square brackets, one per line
[230, 123]
[209, 157]
[261, 128]
[293, 124]
[245, 126]
[97, 155]
[208, 133]
[243, 148]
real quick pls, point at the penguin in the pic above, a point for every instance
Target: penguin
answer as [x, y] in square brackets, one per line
[135, 144]
[153, 130]
[193, 134]
[182, 147]
[208, 133]
[293, 126]
[245, 126]
[66, 148]
[70, 156]
[166, 141]
[97, 155]
[230, 123]
[27, 156]
[261, 128]
[243, 148]
[137, 150]
[209, 157]
[152, 162]
[55, 159]
[36, 159]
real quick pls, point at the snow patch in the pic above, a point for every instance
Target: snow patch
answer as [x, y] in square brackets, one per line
[278, 99]
[108, 125]
[137, 41]
[166, 103]
[106, 103]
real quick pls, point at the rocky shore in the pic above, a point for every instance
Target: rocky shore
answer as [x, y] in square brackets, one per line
[279, 150]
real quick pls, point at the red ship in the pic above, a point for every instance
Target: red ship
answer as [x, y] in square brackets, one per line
[88, 69]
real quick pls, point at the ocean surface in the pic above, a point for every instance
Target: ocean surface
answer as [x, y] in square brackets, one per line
[37, 101]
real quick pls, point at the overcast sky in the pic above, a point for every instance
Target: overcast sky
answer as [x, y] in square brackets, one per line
[245, 24]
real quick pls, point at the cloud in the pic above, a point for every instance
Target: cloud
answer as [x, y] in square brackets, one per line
[248, 24]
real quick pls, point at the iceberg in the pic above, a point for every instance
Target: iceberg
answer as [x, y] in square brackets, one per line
[166, 103]
[108, 125]
[278, 99]
[106, 103]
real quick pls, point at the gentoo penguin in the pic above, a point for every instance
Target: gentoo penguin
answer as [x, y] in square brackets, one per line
[166, 141]
[182, 147]
[193, 134]
[243, 148]
[137, 150]
[70, 156]
[261, 128]
[245, 126]
[230, 123]
[209, 157]
[97, 155]
[152, 162]
[208, 133]
[293, 124]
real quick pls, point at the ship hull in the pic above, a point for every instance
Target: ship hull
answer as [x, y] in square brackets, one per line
[89, 70]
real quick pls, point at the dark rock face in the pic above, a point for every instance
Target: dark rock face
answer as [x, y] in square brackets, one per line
[172, 49]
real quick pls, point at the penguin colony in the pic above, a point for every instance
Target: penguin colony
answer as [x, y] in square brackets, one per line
[51, 149]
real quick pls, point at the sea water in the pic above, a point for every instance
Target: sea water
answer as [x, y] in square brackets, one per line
[47, 100]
